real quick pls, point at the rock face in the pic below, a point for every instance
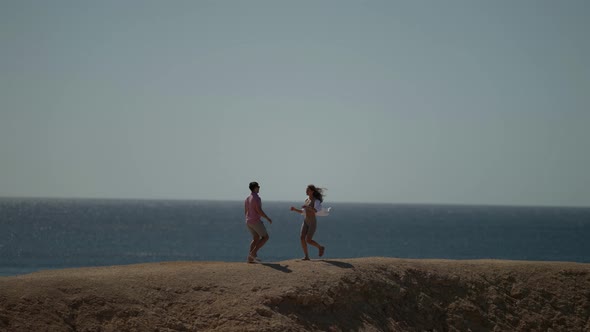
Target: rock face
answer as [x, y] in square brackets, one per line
[366, 294]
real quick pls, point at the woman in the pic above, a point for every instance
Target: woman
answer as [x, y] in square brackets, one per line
[312, 205]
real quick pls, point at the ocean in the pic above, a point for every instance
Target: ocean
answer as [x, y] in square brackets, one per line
[39, 234]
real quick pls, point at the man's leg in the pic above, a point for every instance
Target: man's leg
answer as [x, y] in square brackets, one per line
[259, 245]
[254, 243]
[259, 230]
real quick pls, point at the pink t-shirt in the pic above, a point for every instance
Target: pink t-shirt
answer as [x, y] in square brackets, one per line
[250, 204]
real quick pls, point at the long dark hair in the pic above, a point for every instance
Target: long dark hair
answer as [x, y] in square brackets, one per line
[318, 193]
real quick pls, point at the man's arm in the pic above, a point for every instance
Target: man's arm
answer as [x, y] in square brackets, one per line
[260, 212]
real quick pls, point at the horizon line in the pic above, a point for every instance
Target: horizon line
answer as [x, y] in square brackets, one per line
[285, 201]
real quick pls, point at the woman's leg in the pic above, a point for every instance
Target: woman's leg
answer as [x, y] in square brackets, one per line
[317, 245]
[304, 229]
[309, 238]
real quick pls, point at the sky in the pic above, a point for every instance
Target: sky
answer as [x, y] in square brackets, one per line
[444, 102]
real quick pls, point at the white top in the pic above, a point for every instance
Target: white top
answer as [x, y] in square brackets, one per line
[321, 211]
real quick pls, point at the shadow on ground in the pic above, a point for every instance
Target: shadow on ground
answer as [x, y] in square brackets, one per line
[279, 267]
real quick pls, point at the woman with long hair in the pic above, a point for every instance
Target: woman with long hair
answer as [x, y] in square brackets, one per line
[312, 205]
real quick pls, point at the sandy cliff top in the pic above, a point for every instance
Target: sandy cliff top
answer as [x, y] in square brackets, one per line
[371, 294]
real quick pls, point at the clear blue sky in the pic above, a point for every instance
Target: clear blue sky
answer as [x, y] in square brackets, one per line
[468, 102]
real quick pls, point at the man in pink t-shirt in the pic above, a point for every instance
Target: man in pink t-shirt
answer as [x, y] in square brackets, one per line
[254, 213]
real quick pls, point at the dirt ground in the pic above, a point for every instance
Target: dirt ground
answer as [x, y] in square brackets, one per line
[364, 294]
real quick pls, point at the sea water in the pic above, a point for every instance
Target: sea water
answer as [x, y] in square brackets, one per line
[37, 234]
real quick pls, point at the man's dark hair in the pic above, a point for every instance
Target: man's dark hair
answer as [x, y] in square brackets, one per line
[253, 185]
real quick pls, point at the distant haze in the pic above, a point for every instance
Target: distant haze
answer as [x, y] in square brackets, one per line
[463, 102]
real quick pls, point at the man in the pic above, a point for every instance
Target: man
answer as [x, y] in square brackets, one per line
[254, 213]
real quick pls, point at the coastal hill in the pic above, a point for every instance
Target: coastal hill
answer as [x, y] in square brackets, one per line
[364, 294]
